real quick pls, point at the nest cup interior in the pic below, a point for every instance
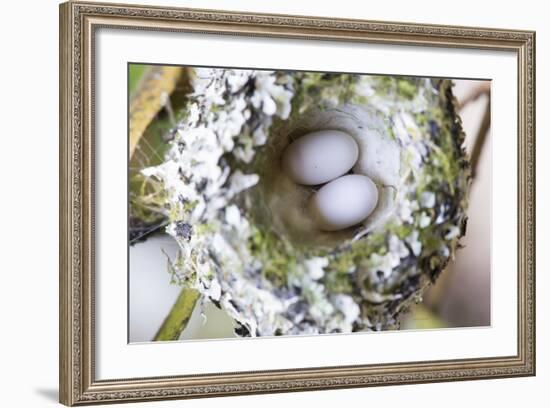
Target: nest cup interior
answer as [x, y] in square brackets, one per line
[281, 204]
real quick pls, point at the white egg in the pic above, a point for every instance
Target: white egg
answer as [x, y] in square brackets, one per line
[319, 157]
[343, 202]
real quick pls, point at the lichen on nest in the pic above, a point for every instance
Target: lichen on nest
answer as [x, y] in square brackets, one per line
[246, 243]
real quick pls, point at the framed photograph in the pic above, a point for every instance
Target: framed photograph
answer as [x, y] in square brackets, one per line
[256, 203]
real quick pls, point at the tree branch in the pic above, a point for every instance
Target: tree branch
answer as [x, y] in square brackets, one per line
[178, 317]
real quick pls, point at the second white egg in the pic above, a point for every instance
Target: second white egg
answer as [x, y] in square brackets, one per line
[319, 157]
[344, 202]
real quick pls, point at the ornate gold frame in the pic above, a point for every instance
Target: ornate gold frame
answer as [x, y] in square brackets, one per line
[78, 22]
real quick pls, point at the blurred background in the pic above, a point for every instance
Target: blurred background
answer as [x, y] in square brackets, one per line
[461, 296]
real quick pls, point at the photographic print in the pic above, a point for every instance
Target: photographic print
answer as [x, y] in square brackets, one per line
[278, 203]
[317, 204]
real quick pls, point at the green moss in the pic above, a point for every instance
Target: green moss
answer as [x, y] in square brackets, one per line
[338, 282]
[203, 229]
[407, 88]
[402, 231]
[275, 254]
[339, 273]
[314, 89]
[385, 85]
[431, 240]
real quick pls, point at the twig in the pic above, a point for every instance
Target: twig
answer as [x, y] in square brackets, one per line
[481, 138]
[178, 317]
[483, 88]
[148, 100]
